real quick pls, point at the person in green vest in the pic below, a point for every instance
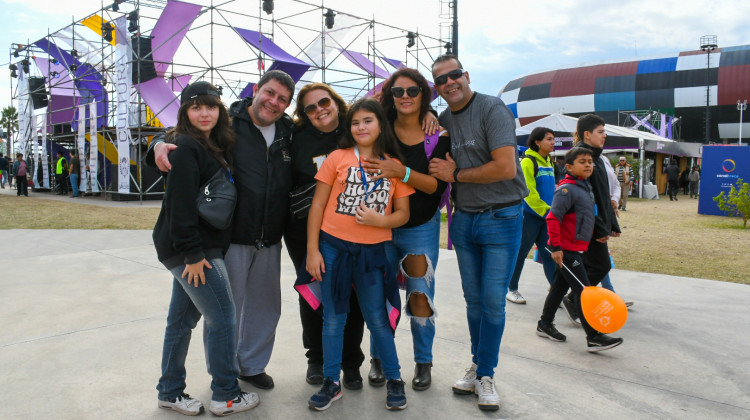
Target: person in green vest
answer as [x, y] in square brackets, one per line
[61, 174]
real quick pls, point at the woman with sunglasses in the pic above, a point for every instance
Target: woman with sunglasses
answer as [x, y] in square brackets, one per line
[406, 98]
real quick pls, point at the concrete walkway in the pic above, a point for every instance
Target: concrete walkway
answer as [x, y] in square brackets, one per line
[83, 316]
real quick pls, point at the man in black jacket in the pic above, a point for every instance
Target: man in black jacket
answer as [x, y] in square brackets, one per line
[262, 174]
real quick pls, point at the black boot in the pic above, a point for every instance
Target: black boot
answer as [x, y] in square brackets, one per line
[314, 374]
[352, 379]
[376, 377]
[422, 376]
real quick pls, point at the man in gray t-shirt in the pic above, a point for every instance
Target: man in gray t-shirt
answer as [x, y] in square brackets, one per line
[486, 229]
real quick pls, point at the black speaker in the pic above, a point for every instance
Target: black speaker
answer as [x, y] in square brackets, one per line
[38, 92]
[145, 70]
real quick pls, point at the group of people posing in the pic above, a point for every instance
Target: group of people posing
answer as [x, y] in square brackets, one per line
[354, 191]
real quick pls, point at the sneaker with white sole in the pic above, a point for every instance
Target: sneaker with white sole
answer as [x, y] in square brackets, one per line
[183, 404]
[465, 385]
[329, 392]
[487, 397]
[245, 401]
[516, 297]
[549, 331]
[601, 342]
[571, 311]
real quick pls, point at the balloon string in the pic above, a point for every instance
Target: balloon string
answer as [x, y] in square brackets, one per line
[566, 267]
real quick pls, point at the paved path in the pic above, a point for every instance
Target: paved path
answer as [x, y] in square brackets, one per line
[83, 316]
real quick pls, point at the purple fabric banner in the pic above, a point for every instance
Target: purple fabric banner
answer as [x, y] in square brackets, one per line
[395, 63]
[61, 110]
[283, 61]
[174, 22]
[59, 85]
[162, 101]
[178, 83]
[365, 64]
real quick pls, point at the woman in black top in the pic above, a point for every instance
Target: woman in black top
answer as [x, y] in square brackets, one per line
[193, 251]
[406, 98]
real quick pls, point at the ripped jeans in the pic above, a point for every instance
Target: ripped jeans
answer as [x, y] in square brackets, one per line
[418, 240]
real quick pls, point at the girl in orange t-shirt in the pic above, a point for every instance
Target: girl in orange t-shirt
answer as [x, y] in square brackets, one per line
[349, 222]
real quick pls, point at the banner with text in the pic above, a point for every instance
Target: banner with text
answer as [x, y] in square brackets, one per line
[123, 70]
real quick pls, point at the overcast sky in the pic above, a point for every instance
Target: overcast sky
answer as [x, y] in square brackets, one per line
[498, 40]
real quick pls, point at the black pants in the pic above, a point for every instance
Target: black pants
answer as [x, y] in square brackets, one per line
[591, 268]
[672, 189]
[22, 185]
[62, 183]
[295, 239]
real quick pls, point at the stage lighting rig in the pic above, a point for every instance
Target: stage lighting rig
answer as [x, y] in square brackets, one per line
[107, 29]
[13, 69]
[329, 18]
[133, 18]
[25, 65]
[268, 6]
[410, 36]
[74, 53]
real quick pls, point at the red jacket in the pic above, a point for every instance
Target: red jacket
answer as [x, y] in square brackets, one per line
[570, 221]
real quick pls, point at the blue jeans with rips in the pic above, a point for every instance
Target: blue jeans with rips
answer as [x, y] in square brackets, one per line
[534, 232]
[486, 246]
[214, 301]
[372, 303]
[418, 240]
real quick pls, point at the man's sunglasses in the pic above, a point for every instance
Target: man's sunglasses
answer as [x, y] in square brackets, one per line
[453, 74]
[412, 91]
[323, 103]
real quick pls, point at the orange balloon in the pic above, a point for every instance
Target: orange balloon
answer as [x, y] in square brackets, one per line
[603, 309]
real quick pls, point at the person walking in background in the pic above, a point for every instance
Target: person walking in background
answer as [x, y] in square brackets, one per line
[61, 174]
[74, 169]
[20, 170]
[694, 179]
[487, 223]
[540, 174]
[684, 182]
[3, 170]
[673, 179]
[624, 172]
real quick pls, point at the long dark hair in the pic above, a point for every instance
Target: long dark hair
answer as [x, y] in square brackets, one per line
[386, 141]
[386, 98]
[220, 142]
[585, 123]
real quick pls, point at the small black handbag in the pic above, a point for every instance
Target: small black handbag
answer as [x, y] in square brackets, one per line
[216, 200]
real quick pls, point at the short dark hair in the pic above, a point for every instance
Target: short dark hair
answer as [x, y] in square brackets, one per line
[386, 141]
[301, 118]
[386, 98]
[573, 154]
[446, 57]
[538, 134]
[280, 77]
[585, 123]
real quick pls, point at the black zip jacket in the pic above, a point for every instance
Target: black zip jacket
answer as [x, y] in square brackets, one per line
[263, 177]
[606, 221]
[180, 235]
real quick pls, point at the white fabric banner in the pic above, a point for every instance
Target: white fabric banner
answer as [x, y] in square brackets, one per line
[93, 161]
[45, 163]
[123, 80]
[81, 143]
[34, 153]
[24, 114]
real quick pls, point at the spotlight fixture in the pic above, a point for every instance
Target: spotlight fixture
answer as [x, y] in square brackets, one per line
[74, 53]
[54, 60]
[13, 74]
[104, 81]
[25, 65]
[448, 48]
[13, 69]
[221, 89]
[410, 36]
[268, 6]
[116, 6]
[73, 67]
[15, 53]
[54, 75]
[329, 18]
[107, 29]
[133, 18]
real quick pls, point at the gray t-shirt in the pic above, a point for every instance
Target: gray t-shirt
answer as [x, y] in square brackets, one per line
[483, 125]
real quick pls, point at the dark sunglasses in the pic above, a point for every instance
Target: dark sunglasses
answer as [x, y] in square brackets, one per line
[453, 74]
[412, 91]
[323, 103]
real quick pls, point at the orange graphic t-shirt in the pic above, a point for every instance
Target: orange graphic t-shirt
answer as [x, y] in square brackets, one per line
[341, 171]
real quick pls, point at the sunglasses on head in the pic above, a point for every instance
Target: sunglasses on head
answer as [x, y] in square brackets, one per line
[453, 74]
[412, 91]
[323, 103]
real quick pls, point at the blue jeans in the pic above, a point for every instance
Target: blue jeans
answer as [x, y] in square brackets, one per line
[214, 301]
[418, 240]
[486, 248]
[607, 283]
[534, 232]
[372, 303]
[74, 184]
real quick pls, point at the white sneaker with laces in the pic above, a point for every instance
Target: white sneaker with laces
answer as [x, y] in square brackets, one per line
[183, 405]
[245, 401]
[515, 296]
[465, 385]
[487, 396]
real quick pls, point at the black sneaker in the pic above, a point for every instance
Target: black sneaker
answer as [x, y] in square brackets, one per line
[396, 399]
[571, 311]
[601, 342]
[329, 393]
[314, 374]
[352, 379]
[261, 380]
[549, 331]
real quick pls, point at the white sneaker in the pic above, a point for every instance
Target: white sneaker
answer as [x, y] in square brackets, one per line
[465, 385]
[487, 396]
[516, 297]
[183, 405]
[245, 401]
